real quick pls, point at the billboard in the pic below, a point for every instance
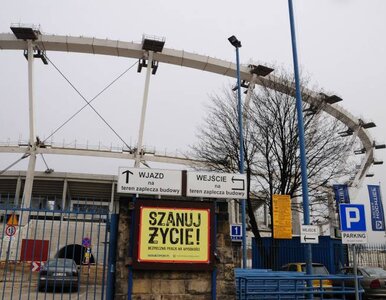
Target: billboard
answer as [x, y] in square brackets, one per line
[377, 214]
[173, 235]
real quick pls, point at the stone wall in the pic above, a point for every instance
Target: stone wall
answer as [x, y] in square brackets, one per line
[176, 285]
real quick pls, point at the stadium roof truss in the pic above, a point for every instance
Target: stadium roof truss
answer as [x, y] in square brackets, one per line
[181, 58]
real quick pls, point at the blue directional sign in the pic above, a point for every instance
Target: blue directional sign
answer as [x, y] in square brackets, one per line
[236, 233]
[352, 217]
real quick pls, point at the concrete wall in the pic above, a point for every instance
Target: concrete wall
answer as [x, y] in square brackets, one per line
[184, 285]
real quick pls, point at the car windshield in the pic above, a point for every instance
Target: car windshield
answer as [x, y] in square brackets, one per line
[375, 272]
[60, 263]
[317, 269]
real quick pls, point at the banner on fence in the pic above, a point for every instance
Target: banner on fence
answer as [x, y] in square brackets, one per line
[341, 194]
[377, 213]
[174, 235]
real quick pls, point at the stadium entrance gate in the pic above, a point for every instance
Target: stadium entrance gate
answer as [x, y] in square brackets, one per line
[34, 244]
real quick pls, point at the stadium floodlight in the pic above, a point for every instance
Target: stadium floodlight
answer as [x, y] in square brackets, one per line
[25, 32]
[260, 70]
[368, 125]
[379, 146]
[153, 43]
[330, 99]
[345, 133]
[360, 151]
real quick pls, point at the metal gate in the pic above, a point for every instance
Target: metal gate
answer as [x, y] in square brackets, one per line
[53, 253]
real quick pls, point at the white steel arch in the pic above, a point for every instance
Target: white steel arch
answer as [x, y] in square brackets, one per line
[182, 58]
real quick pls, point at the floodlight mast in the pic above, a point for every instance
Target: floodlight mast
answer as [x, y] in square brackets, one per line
[27, 194]
[143, 111]
[29, 34]
[150, 45]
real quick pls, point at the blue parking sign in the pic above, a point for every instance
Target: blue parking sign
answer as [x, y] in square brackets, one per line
[352, 217]
[236, 232]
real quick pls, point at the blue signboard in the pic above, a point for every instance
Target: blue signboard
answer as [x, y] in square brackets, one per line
[236, 233]
[341, 193]
[352, 217]
[377, 214]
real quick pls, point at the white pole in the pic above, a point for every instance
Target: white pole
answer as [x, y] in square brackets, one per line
[26, 203]
[247, 99]
[143, 112]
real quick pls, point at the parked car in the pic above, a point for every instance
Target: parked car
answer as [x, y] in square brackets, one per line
[373, 282]
[59, 274]
[317, 269]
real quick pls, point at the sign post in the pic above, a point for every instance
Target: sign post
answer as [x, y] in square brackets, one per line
[216, 185]
[236, 232]
[353, 226]
[309, 234]
[10, 230]
[149, 181]
[173, 183]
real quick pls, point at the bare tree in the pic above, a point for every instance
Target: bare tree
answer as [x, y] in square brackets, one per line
[271, 148]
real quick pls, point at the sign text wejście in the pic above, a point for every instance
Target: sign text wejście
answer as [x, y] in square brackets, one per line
[216, 185]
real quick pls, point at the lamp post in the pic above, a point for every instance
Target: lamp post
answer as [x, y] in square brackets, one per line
[237, 44]
[303, 159]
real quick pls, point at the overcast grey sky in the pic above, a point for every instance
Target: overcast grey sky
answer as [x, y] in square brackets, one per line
[341, 46]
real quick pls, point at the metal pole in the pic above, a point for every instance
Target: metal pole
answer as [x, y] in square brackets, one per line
[303, 159]
[241, 164]
[26, 202]
[112, 256]
[143, 111]
[131, 251]
[380, 194]
[214, 272]
[355, 272]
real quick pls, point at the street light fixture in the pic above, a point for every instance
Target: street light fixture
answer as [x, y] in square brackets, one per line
[237, 44]
[234, 41]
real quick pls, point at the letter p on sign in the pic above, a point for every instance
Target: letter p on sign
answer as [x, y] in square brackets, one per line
[352, 217]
